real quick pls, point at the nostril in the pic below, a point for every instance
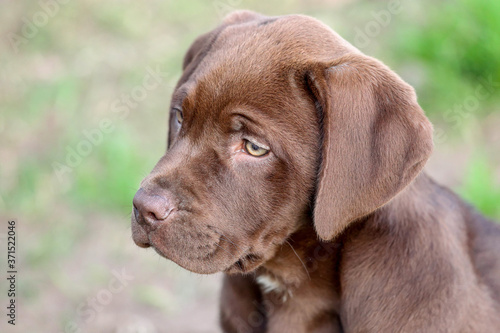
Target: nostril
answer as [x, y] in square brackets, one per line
[136, 213]
[152, 216]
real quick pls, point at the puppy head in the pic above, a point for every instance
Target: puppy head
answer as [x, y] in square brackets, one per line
[272, 121]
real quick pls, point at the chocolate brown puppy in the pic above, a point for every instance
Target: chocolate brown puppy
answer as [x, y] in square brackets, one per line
[295, 167]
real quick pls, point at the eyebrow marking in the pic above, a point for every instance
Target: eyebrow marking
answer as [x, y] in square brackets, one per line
[243, 115]
[236, 126]
[250, 135]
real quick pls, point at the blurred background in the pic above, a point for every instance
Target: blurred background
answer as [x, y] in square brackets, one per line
[84, 94]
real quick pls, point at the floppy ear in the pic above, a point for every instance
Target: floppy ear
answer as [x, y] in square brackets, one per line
[375, 139]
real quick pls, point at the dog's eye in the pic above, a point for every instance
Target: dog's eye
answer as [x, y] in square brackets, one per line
[179, 116]
[255, 150]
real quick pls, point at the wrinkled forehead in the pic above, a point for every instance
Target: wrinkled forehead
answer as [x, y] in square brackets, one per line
[239, 66]
[258, 61]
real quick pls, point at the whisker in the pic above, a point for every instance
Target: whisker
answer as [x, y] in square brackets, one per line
[220, 247]
[303, 265]
[222, 235]
[229, 240]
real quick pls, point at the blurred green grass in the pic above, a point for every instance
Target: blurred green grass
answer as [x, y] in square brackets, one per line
[90, 53]
[65, 79]
[459, 43]
[479, 186]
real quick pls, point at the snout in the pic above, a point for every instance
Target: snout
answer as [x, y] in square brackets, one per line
[151, 210]
[181, 229]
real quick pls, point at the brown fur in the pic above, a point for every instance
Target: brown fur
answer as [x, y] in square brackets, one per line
[336, 229]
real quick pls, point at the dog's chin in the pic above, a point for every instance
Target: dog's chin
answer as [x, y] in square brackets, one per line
[211, 263]
[199, 266]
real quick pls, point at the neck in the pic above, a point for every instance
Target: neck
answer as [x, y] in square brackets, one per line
[301, 259]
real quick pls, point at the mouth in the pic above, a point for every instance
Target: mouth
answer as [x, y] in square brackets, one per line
[205, 261]
[246, 264]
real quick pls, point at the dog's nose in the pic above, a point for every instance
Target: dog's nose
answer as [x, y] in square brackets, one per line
[151, 209]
